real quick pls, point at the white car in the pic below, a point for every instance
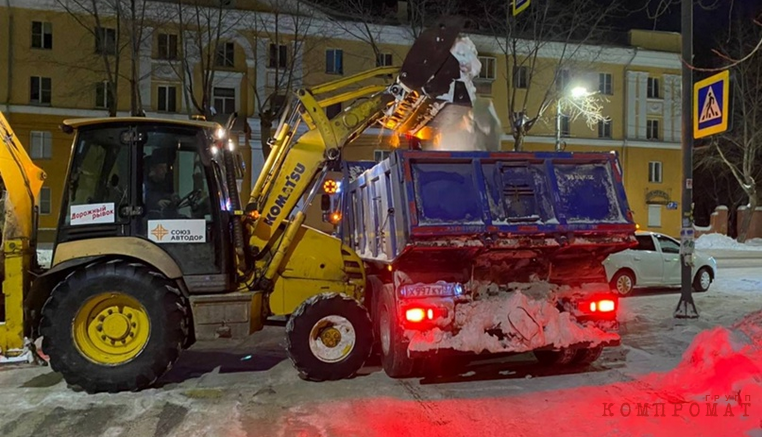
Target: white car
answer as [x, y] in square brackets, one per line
[655, 262]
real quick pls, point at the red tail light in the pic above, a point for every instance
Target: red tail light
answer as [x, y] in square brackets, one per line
[599, 306]
[420, 316]
[606, 306]
[415, 315]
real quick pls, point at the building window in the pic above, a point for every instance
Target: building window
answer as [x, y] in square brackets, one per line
[380, 155]
[604, 84]
[488, 68]
[40, 90]
[565, 126]
[604, 129]
[42, 35]
[278, 56]
[520, 77]
[167, 46]
[563, 79]
[167, 99]
[225, 53]
[654, 172]
[41, 145]
[224, 100]
[103, 96]
[45, 207]
[105, 41]
[334, 61]
[653, 88]
[333, 110]
[652, 129]
[654, 216]
[384, 60]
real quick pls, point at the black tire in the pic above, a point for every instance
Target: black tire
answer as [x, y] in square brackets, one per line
[299, 331]
[697, 286]
[165, 313]
[394, 358]
[587, 356]
[623, 275]
[563, 357]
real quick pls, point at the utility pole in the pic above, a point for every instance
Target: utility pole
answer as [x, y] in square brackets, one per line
[558, 125]
[686, 308]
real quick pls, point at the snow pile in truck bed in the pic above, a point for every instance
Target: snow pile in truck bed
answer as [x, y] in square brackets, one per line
[720, 241]
[527, 318]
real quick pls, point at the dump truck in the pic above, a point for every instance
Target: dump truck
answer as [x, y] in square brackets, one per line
[486, 252]
[156, 248]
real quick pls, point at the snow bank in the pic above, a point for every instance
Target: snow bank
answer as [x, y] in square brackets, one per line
[719, 241]
[518, 321]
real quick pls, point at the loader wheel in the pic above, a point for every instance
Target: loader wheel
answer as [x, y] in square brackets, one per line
[113, 326]
[329, 337]
[394, 356]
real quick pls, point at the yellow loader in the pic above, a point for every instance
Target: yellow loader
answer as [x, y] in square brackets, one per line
[155, 249]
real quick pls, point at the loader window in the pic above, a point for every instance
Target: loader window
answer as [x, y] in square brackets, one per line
[99, 181]
[174, 184]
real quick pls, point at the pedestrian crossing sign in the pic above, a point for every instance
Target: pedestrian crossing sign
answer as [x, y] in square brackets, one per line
[711, 105]
[519, 6]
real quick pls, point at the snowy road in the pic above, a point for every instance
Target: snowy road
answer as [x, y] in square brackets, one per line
[250, 389]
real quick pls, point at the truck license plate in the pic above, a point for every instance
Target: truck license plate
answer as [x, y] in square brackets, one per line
[430, 290]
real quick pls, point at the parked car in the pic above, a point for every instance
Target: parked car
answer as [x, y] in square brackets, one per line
[655, 262]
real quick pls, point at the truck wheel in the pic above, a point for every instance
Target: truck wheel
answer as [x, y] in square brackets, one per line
[394, 357]
[587, 356]
[703, 280]
[562, 357]
[329, 337]
[113, 326]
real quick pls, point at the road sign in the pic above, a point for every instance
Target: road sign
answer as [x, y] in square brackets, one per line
[711, 98]
[672, 205]
[519, 6]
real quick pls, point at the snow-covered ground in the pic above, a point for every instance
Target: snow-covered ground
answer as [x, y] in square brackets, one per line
[719, 241]
[693, 377]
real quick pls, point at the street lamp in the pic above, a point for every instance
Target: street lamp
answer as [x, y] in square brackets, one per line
[576, 93]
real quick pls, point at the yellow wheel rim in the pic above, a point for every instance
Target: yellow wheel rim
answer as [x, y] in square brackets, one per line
[111, 328]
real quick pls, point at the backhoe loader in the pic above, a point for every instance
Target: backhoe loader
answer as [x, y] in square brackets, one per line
[155, 249]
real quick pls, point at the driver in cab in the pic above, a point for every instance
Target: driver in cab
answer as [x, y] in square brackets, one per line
[159, 192]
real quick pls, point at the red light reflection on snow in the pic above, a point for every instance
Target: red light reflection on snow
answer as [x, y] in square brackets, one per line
[694, 398]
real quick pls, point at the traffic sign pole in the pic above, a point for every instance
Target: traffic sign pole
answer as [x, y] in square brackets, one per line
[686, 308]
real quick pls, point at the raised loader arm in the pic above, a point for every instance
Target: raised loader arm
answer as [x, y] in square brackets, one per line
[430, 78]
[23, 181]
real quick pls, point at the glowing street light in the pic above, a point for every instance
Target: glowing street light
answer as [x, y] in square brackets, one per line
[575, 93]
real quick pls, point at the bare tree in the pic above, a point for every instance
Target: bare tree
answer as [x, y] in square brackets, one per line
[544, 47]
[204, 29]
[119, 29]
[740, 149]
[281, 53]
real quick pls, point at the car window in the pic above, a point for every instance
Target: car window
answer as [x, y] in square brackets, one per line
[668, 245]
[645, 242]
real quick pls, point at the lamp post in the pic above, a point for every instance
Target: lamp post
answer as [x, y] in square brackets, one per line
[576, 93]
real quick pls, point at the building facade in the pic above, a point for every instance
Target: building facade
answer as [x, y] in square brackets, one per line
[54, 69]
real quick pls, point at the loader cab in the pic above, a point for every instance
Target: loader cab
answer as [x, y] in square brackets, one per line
[158, 181]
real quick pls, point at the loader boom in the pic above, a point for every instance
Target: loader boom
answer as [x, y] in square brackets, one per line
[23, 181]
[296, 166]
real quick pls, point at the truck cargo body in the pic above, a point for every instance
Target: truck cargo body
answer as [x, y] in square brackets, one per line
[506, 246]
